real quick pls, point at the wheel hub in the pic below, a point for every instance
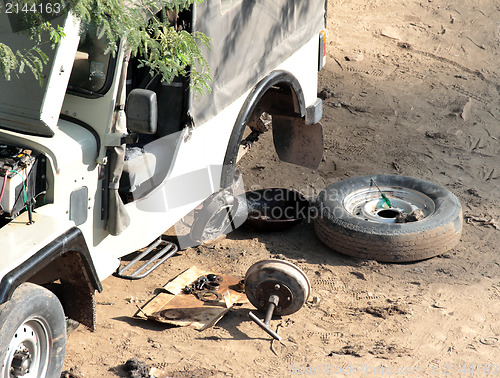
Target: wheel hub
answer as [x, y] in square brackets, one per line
[28, 352]
[272, 287]
[275, 287]
[368, 204]
[21, 363]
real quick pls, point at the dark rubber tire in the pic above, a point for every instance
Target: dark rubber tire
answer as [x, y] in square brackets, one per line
[33, 304]
[394, 242]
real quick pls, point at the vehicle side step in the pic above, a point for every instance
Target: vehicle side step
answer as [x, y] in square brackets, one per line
[151, 264]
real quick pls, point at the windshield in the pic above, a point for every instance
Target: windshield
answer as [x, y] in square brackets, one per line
[91, 68]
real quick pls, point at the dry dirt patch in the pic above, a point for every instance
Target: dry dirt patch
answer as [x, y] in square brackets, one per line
[410, 88]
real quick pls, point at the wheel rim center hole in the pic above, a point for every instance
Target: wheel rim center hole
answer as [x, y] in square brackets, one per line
[388, 213]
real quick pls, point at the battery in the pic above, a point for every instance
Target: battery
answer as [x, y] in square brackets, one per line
[18, 170]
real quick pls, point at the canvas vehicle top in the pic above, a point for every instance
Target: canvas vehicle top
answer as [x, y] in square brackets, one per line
[103, 157]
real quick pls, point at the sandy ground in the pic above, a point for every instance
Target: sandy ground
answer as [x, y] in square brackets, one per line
[410, 88]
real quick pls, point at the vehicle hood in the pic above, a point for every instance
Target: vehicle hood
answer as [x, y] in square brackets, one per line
[27, 106]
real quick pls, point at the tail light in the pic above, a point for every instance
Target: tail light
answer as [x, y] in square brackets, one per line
[323, 36]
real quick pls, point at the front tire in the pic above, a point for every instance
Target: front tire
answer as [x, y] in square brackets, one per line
[32, 334]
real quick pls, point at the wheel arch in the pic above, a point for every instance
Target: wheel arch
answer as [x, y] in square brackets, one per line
[68, 260]
[291, 101]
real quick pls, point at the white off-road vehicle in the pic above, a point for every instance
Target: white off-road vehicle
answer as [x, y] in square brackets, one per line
[102, 158]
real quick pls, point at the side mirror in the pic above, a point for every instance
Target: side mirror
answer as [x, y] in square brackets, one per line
[142, 111]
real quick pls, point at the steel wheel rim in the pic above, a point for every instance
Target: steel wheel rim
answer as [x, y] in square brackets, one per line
[30, 339]
[368, 204]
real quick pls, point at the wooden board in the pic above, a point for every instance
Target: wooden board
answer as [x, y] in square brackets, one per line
[178, 308]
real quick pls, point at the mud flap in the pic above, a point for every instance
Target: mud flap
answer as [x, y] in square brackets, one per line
[296, 142]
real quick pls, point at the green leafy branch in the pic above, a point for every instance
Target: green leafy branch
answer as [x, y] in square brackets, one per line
[163, 48]
[33, 58]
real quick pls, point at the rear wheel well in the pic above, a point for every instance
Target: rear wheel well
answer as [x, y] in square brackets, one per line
[279, 93]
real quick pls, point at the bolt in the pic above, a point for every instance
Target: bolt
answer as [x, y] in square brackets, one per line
[277, 287]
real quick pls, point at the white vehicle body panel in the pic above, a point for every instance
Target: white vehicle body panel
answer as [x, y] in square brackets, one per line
[195, 173]
[15, 237]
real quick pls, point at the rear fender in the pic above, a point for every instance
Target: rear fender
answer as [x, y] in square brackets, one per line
[303, 147]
